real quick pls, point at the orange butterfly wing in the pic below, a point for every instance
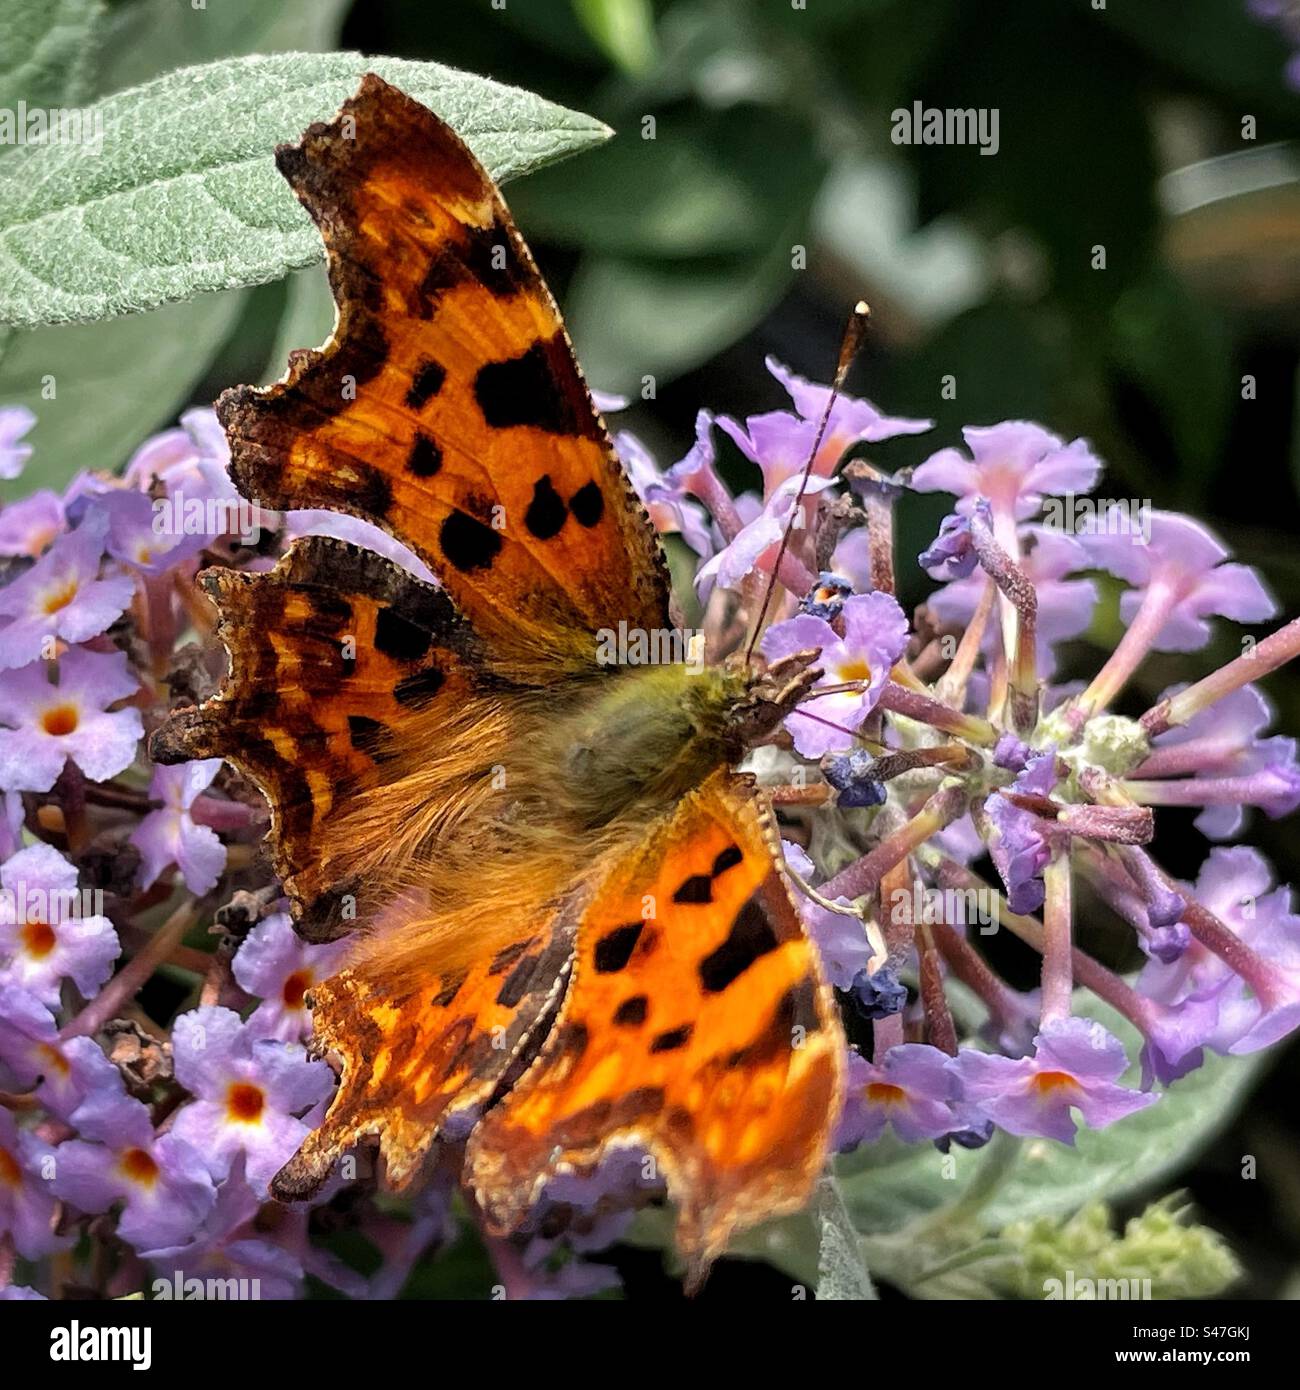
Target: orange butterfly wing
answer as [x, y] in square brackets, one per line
[333, 654]
[421, 1063]
[696, 1025]
[448, 407]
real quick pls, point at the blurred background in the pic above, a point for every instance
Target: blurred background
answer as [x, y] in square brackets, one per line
[770, 198]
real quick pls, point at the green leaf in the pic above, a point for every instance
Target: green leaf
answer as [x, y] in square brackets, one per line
[887, 1184]
[883, 63]
[48, 51]
[153, 36]
[307, 322]
[184, 195]
[842, 1271]
[1179, 350]
[728, 184]
[631, 319]
[1218, 45]
[114, 383]
[624, 29]
[551, 25]
[1003, 59]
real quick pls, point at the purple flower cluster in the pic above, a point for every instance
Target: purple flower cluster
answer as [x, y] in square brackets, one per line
[946, 740]
[933, 741]
[162, 1140]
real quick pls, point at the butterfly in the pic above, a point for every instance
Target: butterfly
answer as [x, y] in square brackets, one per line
[571, 928]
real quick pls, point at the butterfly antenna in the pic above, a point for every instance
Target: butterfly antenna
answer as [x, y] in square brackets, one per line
[854, 332]
[874, 744]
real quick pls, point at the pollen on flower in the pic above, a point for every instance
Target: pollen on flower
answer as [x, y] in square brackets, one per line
[11, 1175]
[245, 1102]
[139, 1167]
[60, 720]
[59, 598]
[38, 939]
[295, 989]
[1049, 1082]
[882, 1093]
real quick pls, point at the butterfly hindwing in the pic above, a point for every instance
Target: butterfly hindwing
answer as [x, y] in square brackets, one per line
[448, 407]
[696, 1026]
[420, 1062]
[333, 653]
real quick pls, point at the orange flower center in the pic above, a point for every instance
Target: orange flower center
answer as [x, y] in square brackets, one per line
[832, 450]
[245, 1102]
[60, 720]
[884, 1094]
[38, 939]
[10, 1173]
[295, 989]
[54, 1059]
[38, 540]
[855, 670]
[139, 1167]
[60, 597]
[1048, 1082]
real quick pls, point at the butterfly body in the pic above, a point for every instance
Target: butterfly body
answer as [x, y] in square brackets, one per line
[638, 741]
[571, 932]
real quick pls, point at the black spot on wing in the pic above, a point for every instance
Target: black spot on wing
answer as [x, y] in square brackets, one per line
[727, 859]
[508, 955]
[467, 543]
[751, 937]
[540, 388]
[696, 889]
[546, 513]
[370, 737]
[423, 686]
[490, 257]
[449, 991]
[429, 376]
[587, 505]
[632, 1012]
[445, 272]
[517, 982]
[399, 639]
[671, 1040]
[425, 458]
[614, 949]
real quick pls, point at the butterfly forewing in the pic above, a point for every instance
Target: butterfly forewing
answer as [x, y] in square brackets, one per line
[448, 408]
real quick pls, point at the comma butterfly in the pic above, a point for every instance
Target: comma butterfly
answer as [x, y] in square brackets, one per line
[572, 930]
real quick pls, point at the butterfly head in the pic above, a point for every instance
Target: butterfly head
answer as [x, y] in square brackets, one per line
[768, 696]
